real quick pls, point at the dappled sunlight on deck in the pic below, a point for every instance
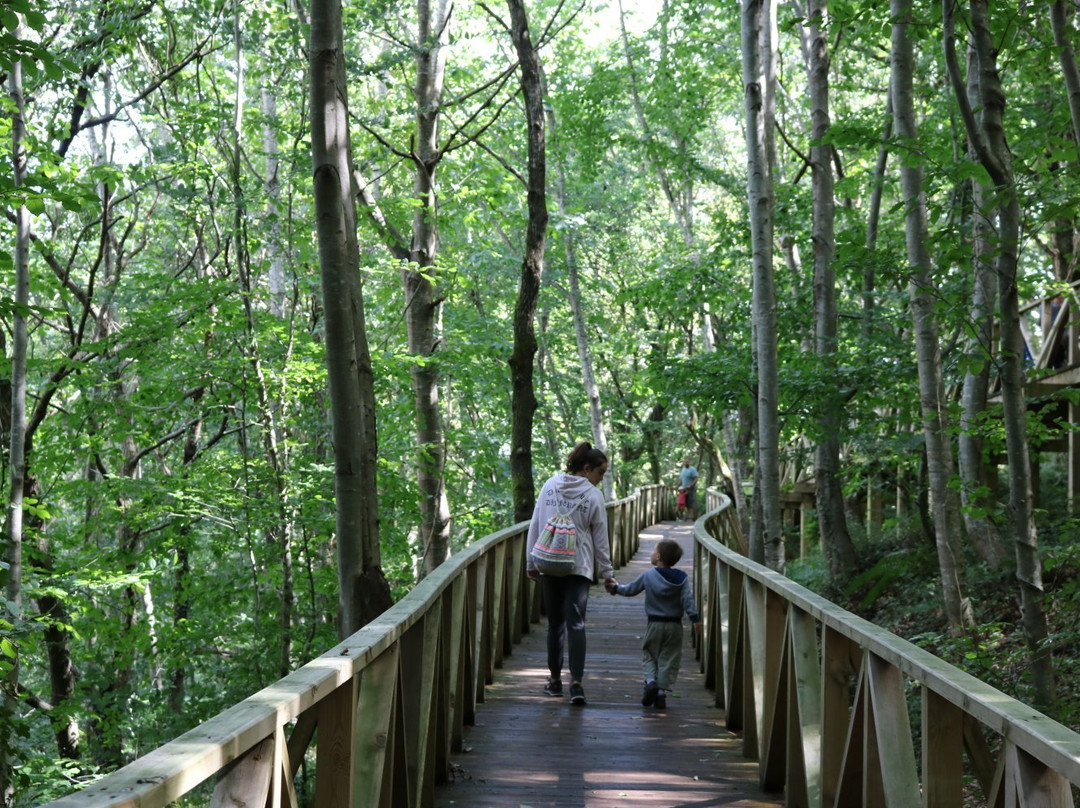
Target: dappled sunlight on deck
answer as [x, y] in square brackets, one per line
[530, 749]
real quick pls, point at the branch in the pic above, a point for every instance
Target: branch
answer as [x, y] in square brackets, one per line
[76, 127]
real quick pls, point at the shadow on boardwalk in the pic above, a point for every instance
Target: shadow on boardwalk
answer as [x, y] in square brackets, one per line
[531, 750]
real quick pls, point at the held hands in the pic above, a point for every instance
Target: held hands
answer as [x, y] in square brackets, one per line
[698, 628]
[534, 575]
[610, 584]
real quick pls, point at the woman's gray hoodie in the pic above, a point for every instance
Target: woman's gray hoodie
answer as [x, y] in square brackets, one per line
[667, 594]
[561, 493]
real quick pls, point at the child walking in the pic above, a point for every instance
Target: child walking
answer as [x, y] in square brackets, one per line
[667, 595]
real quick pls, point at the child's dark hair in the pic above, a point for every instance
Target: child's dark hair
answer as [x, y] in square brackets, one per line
[584, 456]
[670, 551]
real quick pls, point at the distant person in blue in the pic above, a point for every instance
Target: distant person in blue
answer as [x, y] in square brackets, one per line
[668, 594]
[688, 478]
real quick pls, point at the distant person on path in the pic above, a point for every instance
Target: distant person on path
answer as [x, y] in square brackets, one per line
[566, 596]
[668, 594]
[688, 478]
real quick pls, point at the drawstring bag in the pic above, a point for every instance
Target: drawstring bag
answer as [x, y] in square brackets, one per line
[555, 551]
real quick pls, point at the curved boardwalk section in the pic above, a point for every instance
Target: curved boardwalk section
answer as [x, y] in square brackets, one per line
[528, 749]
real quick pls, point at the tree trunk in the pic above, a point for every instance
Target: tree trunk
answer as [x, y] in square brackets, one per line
[422, 301]
[13, 533]
[976, 495]
[944, 501]
[756, 59]
[278, 535]
[364, 592]
[988, 140]
[835, 540]
[522, 360]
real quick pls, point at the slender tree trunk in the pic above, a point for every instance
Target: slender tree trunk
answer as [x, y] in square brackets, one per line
[279, 535]
[988, 140]
[1067, 57]
[275, 245]
[522, 360]
[13, 537]
[422, 301]
[976, 495]
[835, 540]
[944, 501]
[756, 59]
[364, 592]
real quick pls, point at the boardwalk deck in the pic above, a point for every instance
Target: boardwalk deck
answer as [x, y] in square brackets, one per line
[528, 749]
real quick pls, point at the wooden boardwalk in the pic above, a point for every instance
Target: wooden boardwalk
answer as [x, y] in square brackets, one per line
[528, 750]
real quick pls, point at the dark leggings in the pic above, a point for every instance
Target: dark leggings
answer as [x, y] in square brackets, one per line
[565, 600]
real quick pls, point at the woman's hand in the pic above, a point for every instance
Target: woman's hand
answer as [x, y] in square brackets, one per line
[534, 575]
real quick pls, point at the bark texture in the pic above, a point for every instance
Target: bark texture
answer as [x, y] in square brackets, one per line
[756, 57]
[364, 591]
[422, 298]
[522, 360]
[835, 540]
[940, 469]
[988, 140]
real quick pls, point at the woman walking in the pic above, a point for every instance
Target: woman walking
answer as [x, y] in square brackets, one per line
[566, 597]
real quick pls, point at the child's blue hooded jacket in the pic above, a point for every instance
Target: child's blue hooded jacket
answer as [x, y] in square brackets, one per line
[667, 594]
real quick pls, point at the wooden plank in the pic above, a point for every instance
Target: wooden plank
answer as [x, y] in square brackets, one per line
[942, 751]
[804, 752]
[1032, 783]
[850, 775]
[247, 783]
[335, 774]
[773, 762]
[895, 758]
[528, 749]
[836, 682]
[498, 606]
[283, 790]
[756, 647]
[458, 646]
[373, 731]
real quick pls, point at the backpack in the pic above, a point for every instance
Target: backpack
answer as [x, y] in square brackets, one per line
[555, 551]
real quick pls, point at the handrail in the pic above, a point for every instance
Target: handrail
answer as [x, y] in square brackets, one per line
[819, 694]
[385, 707]
[821, 697]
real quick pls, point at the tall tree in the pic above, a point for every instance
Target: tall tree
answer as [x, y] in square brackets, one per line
[977, 492]
[364, 592]
[13, 528]
[988, 140]
[522, 360]
[927, 346]
[422, 297]
[767, 539]
[835, 540]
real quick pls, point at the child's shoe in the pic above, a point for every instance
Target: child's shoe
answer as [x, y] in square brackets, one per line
[649, 695]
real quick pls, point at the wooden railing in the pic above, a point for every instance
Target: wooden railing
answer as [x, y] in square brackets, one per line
[378, 714]
[834, 708]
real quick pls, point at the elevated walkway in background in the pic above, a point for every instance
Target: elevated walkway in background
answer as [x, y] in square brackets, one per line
[530, 749]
